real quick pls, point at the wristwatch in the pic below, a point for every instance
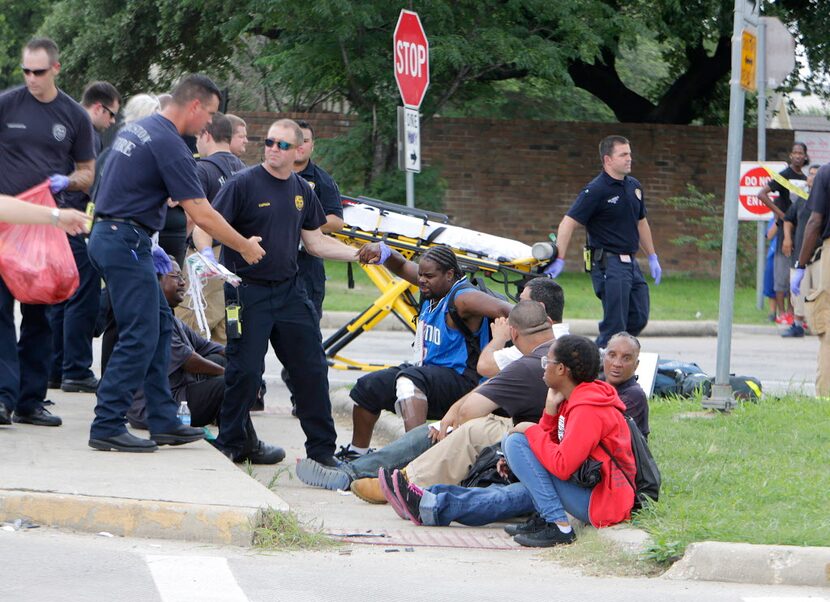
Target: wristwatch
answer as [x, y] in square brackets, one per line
[56, 215]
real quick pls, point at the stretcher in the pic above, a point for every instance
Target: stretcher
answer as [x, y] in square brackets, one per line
[506, 263]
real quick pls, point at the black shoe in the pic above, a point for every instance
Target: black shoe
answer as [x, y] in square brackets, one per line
[5, 418]
[547, 537]
[347, 454]
[183, 434]
[80, 385]
[263, 454]
[531, 525]
[125, 442]
[40, 417]
[409, 495]
[54, 383]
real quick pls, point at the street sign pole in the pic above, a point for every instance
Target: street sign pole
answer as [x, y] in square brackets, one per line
[721, 396]
[761, 243]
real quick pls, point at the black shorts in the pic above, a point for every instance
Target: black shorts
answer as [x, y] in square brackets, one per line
[442, 386]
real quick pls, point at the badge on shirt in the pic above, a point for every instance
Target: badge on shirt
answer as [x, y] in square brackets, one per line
[59, 132]
[639, 193]
[298, 202]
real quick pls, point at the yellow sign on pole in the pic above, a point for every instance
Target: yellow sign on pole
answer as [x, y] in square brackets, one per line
[749, 46]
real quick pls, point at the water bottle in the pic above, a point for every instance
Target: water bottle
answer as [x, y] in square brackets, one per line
[184, 414]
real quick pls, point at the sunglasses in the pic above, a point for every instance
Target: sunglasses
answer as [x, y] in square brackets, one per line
[108, 110]
[35, 72]
[280, 144]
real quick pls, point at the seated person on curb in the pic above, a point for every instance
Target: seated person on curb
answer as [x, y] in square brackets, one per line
[583, 417]
[445, 358]
[432, 466]
[517, 392]
[197, 365]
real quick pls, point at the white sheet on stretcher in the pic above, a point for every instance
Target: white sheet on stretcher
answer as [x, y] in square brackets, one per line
[496, 248]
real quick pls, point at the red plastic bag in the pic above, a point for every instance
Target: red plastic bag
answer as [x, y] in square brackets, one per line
[36, 262]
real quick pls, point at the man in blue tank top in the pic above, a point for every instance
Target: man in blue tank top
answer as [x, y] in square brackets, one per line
[444, 369]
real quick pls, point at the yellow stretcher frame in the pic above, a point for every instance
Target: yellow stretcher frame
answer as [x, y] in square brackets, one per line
[399, 297]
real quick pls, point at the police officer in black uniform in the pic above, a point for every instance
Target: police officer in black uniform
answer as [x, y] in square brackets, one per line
[149, 164]
[612, 210]
[270, 304]
[43, 134]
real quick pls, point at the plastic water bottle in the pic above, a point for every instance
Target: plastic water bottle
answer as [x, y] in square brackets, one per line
[184, 413]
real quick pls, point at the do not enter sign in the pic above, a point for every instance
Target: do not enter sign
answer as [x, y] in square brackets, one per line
[411, 52]
[753, 179]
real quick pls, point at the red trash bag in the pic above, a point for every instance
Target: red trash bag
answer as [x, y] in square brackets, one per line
[36, 262]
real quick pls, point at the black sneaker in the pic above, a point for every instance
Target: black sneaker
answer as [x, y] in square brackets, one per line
[547, 537]
[531, 525]
[409, 495]
[347, 454]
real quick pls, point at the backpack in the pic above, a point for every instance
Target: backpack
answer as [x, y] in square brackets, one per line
[483, 471]
[647, 478]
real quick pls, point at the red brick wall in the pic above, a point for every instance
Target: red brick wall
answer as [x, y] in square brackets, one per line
[518, 178]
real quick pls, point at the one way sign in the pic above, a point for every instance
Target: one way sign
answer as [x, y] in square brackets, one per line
[409, 139]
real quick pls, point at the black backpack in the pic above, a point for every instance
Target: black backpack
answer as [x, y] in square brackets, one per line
[647, 479]
[483, 471]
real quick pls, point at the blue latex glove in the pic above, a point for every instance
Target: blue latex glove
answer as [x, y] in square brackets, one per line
[385, 252]
[161, 260]
[207, 253]
[795, 281]
[554, 269]
[57, 183]
[656, 270]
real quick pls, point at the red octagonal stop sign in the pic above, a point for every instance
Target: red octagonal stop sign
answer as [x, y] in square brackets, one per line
[411, 51]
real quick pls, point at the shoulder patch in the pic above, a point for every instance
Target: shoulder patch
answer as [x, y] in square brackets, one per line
[638, 193]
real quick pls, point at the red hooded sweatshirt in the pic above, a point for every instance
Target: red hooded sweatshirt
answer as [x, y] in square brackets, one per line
[592, 413]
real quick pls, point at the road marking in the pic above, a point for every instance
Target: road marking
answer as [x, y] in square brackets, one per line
[188, 578]
[783, 599]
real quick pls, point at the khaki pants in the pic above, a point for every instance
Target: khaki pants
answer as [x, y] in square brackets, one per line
[798, 300]
[817, 315]
[449, 461]
[214, 292]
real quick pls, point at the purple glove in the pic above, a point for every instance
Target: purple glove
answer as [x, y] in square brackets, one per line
[161, 260]
[57, 183]
[385, 252]
[656, 271]
[554, 269]
[207, 253]
[795, 281]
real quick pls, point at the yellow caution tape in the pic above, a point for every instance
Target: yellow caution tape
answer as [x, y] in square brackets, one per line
[785, 182]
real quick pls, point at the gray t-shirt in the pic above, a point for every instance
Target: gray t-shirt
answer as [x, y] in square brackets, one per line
[184, 342]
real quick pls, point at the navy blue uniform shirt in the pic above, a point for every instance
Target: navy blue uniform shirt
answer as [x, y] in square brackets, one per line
[324, 187]
[819, 200]
[217, 169]
[610, 210]
[259, 204]
[40, 139]
[148, 162]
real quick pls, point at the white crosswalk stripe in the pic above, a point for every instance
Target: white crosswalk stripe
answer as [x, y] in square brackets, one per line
[188, 578]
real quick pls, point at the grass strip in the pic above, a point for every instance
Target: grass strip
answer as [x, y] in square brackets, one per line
[283, 531]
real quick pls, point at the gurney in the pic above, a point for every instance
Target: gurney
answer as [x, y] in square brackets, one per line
[507, 264]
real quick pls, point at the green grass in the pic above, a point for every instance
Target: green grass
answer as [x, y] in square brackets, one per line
[757, 475]
[677, 298]
[283, 531]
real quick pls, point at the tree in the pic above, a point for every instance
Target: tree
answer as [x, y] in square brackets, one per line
[18, 22]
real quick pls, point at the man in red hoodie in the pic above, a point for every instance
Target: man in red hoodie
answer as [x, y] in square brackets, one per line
[583, 417]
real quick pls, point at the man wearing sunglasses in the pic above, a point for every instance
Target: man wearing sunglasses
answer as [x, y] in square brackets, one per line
[275, 202]
[43, 133]
[73, 321]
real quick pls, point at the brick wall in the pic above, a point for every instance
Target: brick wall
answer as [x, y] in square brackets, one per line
[518, 178]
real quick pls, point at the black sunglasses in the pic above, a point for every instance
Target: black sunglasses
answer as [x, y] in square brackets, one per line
[108, 110]
[35, 72]
[281, 144]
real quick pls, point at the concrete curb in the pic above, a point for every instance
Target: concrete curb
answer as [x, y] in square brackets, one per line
[748, 563]
[655, 328]
[136, 518]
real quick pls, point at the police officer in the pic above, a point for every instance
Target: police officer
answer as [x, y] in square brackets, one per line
[73, 321]
[612, 210]
[43, 134]
[149, 163]
[272, 306]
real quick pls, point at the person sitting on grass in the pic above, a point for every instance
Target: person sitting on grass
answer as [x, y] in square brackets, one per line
[583, 418]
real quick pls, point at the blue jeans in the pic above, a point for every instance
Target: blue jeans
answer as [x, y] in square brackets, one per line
[140, 358]
[397, 454]
[552, 496]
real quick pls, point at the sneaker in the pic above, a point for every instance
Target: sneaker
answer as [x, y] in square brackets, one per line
[409, 495]
[368, 490]
[794, 331]
[315, 474]
[547, 537]
[347, 454]
[387, 487]
[786, 319]
[531, 525]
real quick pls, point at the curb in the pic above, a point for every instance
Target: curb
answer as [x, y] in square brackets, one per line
[750, 563]
[136, 518]
[655, 328]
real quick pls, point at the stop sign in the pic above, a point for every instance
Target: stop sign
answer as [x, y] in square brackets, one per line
[753, 179]
[411, 51]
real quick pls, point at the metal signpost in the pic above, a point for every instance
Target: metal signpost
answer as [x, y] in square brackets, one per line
[410, 49]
